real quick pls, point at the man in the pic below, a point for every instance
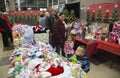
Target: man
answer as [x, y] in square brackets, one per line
[49, 23]
[43, 19]
[5, 29]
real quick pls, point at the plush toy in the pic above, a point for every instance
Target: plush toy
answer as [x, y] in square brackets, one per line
[75, 70]
[19, 29]
[37, 28]
[18, 59]
[76, 29]
[16, 35]
[32, 55]
[12, 63]
[113, 36]
[15, 71]
[98, 34]
[55, 70]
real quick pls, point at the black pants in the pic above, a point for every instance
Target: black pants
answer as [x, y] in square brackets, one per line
[10, 36]
[50, 40]
[5, 39]
[6, 36]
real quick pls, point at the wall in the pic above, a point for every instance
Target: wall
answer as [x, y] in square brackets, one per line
[2, 5]
[12, 4]
[83, 3]
[88, 2]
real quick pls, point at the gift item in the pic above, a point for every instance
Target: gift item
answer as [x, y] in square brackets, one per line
[99, 31]
[75, 70]
[38, 28]
[58, 70]
[39, 61]
[76, 29]
[28, 36]
[45, 75]
[18, 32]
[18, 59]
[115, 34]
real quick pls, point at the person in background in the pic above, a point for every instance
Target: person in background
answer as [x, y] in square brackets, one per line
[58, 34]
[3, 28]
[40, 16]
[49, 23]
[80, 57]
[68, 46]
[9, 23]
[5, 31]
[12, 21]
[43, 19]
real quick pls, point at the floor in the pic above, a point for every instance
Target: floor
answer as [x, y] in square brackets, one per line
[100, 67]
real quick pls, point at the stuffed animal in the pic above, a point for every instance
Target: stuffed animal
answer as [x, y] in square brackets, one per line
[16, 35]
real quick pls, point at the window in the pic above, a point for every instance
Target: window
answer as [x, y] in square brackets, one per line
[31, 4]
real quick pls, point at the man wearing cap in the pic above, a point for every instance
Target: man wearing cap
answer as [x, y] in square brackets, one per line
[5, 29]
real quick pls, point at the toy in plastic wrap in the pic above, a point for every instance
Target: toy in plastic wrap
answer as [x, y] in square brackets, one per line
[115, 34]
[28, 36]
[40, 64]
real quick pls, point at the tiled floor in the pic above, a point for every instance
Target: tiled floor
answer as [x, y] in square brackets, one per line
[100, 67]
[103, 69]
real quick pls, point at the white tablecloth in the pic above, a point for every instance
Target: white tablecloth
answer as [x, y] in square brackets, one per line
[42, 37]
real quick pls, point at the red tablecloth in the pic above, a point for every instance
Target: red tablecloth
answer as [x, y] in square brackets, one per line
[90, 46]
[109, 47]
[94, 46]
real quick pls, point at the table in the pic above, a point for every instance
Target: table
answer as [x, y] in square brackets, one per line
[111, 47]
[42, 37]
[93, 47]
[90, 45]
[41, 61]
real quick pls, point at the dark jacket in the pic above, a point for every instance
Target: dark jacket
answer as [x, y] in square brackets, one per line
[85, 65]
[50, 20]
[58, 36]
[7, 22]
[3, 25]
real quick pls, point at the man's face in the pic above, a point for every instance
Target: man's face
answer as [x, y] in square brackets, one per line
[53, 12]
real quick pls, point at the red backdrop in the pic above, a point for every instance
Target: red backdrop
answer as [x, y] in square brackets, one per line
[104, 7]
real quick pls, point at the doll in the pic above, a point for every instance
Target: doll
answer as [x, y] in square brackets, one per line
[80, 57]
[68, 47]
